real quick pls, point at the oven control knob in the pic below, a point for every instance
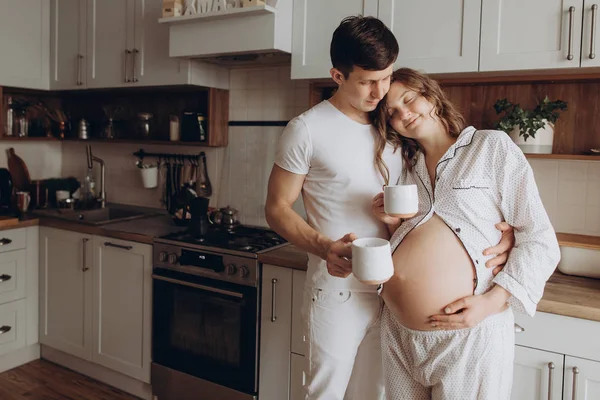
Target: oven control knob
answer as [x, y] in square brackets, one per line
[162, 256]
[244, 271]
[172, 258]
[230, 269]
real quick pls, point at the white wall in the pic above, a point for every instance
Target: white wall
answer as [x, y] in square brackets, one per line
[43, 159]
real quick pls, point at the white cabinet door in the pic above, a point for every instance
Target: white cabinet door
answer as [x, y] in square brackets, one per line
[13, 275]
[536, 372]
[582, 379]
[275, 329]
[122, 284]
[297, 377]
[590, 34]
[153, 66]
[68, 44]
[65, 291]
[299, 345]
[25, 43]
[313, 24]
[435, 36]
[533, 34]
[110, 43]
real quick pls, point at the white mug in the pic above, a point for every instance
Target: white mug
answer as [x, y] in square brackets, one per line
[401, 200]
[372, 260]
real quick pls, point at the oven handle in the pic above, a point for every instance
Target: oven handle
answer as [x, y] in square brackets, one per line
[196, 286]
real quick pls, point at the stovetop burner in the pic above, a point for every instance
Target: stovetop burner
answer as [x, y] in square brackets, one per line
[241, 238]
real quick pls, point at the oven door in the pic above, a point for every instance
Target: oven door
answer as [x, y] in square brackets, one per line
[206, 328]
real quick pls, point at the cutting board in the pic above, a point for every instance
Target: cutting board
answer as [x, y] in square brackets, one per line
[18, 170]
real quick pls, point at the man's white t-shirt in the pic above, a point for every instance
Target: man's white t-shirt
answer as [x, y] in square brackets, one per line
[337, 155]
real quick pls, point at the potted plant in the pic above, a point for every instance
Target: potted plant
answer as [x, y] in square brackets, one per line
[531, 130]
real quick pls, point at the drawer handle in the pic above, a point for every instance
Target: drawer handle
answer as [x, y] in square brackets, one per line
[551, 367]
[4, 329]
[118, 246]
[273, 286]
[575, 375]
[4, 278]
[519, 328]
[4, 241]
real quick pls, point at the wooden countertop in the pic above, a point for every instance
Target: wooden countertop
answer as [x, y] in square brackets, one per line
[582, 241]
[288, 256]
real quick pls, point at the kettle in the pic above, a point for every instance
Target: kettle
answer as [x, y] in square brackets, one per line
[227, 217]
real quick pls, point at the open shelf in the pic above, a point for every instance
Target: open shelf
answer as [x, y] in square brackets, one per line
[216, 15]
[97, 140]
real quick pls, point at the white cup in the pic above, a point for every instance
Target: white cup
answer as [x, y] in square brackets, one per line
[372, 260]
[401, 200]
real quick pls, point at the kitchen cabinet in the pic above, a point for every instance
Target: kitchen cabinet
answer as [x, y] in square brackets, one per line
[24, 43]
[538, 374]
[65, 290]
[313, 24]
[582, 379]
[119, 43]
[444, 38]
[19, 297]
[96, 299]
[275, 328]
[297, 377]
[122, 282]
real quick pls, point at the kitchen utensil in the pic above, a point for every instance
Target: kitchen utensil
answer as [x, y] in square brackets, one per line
[203, 186]
[372, 260]
[226, 217]
[18, 170]
[82, 131]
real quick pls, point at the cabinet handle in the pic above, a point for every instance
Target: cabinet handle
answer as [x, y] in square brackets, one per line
[127, 53]
[571, 16]
[118, 246]
[593, 37]
[4, 278]
[79, 58]
[273, 286]
[4, 329]
[550, 379]
[135, 53]
[519, 328]
[575, 375]
[4, 241]
[85, 268]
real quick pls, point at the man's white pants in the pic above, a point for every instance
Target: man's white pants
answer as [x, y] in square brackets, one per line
[342, 329]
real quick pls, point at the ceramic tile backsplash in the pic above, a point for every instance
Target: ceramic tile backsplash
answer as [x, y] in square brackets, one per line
[43, 160]
[570, 191]
[123, 181]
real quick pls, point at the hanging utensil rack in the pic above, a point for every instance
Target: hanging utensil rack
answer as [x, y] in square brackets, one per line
[176, 156]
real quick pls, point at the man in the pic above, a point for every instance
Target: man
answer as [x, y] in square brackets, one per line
[327, 153]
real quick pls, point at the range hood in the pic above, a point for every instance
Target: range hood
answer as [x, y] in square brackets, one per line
[255, 34]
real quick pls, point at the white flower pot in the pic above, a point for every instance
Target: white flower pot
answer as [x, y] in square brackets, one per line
[541, 144]
[149, 177]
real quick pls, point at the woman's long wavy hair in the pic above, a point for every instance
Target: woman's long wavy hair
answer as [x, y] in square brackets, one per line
[450, 118]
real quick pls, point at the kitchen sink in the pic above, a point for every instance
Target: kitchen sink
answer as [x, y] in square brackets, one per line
[97, 216]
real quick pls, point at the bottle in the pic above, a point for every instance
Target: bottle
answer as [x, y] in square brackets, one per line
[201, 128]
[10, 115]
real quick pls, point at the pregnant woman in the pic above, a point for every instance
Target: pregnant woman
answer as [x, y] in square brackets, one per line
[448, 325]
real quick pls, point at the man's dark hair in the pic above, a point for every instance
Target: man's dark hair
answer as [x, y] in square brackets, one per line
[363, 42]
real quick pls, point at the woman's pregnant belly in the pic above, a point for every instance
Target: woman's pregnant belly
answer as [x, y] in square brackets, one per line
[431, 270]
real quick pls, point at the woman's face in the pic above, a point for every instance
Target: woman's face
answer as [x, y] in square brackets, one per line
[409, 113]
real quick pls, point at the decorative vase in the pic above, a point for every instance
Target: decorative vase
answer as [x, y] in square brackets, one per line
[540, 144]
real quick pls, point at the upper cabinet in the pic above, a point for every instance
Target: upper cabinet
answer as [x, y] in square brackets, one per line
[535, 34]
[313, 26]
[119, 43]
[24, 43]
[434, 35]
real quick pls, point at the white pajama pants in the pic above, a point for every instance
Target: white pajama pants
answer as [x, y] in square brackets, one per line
[465, 364]
[342, 329]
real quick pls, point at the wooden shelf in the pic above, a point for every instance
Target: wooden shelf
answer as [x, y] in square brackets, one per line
[577, 157]
[97, 140]
[216, 15]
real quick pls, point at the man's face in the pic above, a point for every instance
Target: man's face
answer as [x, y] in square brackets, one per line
[364, 89]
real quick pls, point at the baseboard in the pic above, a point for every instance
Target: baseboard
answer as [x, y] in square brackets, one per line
[19, 357]
[98, 372]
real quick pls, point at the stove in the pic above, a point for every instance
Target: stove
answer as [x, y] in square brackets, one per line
[247, 241]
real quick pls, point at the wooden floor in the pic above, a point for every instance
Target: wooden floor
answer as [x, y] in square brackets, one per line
[43, 380]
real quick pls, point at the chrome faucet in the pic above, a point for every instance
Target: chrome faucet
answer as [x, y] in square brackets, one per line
[90, 160]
